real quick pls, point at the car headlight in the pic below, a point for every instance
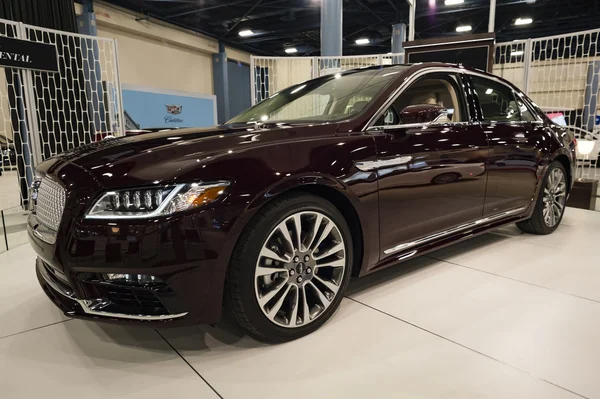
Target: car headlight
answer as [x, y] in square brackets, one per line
[155, 201]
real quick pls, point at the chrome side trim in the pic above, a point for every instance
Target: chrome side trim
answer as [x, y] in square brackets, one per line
[370, 165]
[93, 307]
[453, 230]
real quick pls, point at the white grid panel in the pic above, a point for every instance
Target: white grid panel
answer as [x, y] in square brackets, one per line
[509, 62]
[273, 74]
[13, 127]
[79, 104]
[559, 73]
[46, 113]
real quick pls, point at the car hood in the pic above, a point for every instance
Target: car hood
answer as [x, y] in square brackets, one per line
[180, 155]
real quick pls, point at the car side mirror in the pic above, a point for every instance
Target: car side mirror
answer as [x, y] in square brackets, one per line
[424, 113]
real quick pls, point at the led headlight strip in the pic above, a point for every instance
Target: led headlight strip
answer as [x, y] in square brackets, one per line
[151, 202]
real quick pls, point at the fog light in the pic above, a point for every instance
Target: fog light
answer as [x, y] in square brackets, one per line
[131, 278]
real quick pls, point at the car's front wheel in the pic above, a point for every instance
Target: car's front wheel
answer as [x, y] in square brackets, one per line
[551, 202]
[290, 268]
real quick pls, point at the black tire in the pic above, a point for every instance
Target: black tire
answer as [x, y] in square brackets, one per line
[536, 224]
[239, 286]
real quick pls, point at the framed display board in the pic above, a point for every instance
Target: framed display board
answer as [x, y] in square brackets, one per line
[476, 51]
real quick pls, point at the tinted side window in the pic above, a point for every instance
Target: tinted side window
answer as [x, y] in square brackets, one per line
[435, 89]
[497, 101]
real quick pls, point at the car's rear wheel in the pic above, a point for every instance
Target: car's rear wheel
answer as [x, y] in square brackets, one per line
[290, 268]
[551, 202]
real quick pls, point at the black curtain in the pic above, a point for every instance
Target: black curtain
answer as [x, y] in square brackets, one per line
[62, 114]
[53, 14]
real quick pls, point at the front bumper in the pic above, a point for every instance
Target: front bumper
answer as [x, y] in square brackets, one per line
[63, 295]
[187, 254]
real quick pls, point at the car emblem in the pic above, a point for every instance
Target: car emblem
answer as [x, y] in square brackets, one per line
[174, 109]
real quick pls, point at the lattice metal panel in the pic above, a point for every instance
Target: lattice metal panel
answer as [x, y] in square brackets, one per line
[510, 62]
[43, 114]
[561, 75]
[13, 129]
[273, 74]
[79, 104]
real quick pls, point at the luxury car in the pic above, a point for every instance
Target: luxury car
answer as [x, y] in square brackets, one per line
[269, 215]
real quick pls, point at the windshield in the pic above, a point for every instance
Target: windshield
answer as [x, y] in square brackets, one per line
[330, 98]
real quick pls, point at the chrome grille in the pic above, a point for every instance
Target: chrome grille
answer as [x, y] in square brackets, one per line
[50, 203]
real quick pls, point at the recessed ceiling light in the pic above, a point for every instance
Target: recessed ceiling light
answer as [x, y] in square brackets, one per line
[453, 2]
[245, 33]
[291, 50]
[523, 21]
[516, 53]
[464, 28]
[489, 91]
[362, 41]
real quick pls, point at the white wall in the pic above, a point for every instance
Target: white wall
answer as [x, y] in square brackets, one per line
[155, 54]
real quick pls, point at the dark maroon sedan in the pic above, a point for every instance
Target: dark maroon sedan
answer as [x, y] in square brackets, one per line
[273, 212]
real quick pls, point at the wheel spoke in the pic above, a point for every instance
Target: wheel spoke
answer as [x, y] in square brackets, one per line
[305, 308]
[267, 253]
[273, 311]
[336, 248]
[262, 301]
[296, 305]
[331, 286]
[336, 263]
[559, 205]
[324, 300]
[266, 271]
[298, 224]
[324, 234]
[315, 230]
[286, 234]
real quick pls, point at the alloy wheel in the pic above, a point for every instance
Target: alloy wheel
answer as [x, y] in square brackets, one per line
[300, 269]
[555, 194]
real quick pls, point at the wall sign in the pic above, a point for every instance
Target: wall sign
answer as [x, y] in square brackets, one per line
[158, 108]
[24, 54]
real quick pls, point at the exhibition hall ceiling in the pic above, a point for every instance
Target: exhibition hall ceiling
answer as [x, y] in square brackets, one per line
[269, 27]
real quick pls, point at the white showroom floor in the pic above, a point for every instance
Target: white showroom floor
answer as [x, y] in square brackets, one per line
[504, 315]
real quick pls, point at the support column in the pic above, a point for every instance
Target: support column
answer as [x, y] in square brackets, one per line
[221, 83]
[492, 21]
[331, 28]
[398, 37]
[412, 13]
[87, 20]
[591, 96]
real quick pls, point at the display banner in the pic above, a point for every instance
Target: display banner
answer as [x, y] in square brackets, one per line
[156, 108]
[25, 54]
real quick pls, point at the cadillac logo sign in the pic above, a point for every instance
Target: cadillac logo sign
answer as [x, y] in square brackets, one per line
[25, 54]
[174, 109]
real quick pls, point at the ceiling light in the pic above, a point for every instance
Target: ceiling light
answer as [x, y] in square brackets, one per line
[489, 91]
[291, 50]
[523, 21]
[453, 2]
[245, 33]
[464, 28]
[516, 53]
[362, 41]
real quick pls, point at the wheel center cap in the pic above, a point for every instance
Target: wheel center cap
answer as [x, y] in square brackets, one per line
[300, 268]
